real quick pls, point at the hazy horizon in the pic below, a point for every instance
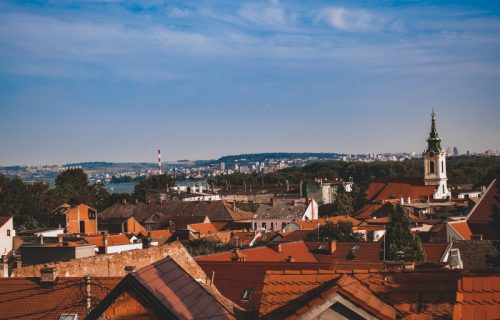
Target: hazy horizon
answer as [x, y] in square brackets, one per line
[93, 80]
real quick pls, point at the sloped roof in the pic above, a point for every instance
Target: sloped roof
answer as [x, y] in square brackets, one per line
[25, 298]
[477, 254]
[292, 236]
[229, 279]
[478, 298]
[414, 188]
[205, 228]
[282, 210]
[157, 234]
[215, 210]
[373, 210]
[484, 218]
[171, 292]
[462, 228]
[288, 294]
[276, 253]
[4, 219]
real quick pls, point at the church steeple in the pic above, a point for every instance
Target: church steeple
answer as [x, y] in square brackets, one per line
[434, 141]
[435, 163]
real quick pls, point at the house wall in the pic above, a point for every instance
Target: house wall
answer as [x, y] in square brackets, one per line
[125, 247]
[7, 234]
[32, 255]
[134, 227]
[80, 213]
[126, 306]
[114, 264]
[270, 224]
[451, 234]
[311, 212]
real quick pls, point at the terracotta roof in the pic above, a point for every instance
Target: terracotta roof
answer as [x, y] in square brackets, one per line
[434, 251]
[462, 228]
[414, 188]
[157, 234]
[417, 295]
[275, 253]
[482, 219]
[242, 239]
[296, 235]
[373, 210]
[338, 219]
[309, 224]
[169, 292]
[205, 228]
[478, 298]
[289, 294]
[113, 240]
[25, 298]
[215, 210]
[229, 279]
[378, 221]
[4, 219]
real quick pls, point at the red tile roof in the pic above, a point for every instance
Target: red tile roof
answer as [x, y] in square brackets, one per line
[160, 234]
[170, 292]
[233, 278]
[462, 228]
[25, 298]
[380, 190]
[282, 252]
[207, 228]
[478, 298]
[373, 210]
[4, 219]
[481, 219]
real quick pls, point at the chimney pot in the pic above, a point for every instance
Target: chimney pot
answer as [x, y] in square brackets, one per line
[333, 246]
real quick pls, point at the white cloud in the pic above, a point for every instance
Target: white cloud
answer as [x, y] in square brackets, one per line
[353, 20]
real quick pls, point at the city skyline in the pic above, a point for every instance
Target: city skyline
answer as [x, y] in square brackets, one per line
[106, 81]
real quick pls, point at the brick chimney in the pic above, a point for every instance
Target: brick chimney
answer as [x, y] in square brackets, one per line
[47, 276]
[333, 246]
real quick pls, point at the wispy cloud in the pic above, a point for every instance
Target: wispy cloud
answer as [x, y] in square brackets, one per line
[357, 20]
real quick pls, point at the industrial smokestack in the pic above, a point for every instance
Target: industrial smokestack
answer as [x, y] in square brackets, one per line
[159, 161]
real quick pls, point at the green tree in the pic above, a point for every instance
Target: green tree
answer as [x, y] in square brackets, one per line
[341, 232]
[400, 242]
[152, 183]
[343, 204]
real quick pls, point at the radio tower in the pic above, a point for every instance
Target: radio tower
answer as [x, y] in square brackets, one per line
[159, 161]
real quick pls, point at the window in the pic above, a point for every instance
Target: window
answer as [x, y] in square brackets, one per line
[8, 233]
[68, 316]
[442, 166]
[264, 226]
[431, 165]
[247, 295]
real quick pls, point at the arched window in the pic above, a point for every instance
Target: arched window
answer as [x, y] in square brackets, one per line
[431, 167]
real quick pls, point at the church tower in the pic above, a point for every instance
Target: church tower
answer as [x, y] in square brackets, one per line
[435, 164]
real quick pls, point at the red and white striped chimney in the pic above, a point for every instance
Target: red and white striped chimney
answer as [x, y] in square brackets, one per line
[159, 161]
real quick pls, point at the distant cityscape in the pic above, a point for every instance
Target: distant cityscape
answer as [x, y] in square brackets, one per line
[118, 173]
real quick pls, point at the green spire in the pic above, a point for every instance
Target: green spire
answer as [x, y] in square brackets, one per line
[433, 142]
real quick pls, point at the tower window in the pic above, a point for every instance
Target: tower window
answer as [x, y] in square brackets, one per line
[442, 166]
[431, 167]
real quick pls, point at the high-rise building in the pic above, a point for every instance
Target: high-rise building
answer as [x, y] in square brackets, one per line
[455, 151]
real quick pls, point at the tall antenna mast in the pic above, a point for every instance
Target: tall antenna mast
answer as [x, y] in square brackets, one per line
[159, 161]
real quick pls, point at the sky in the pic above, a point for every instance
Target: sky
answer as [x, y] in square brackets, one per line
[115, 80]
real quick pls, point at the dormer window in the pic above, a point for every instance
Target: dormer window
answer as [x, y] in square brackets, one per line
[247, 295]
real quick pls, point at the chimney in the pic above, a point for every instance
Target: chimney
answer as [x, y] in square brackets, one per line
[41, 239]
[402, 200]
[408, 200]
[273, 202]
[47, 276]
[104, 240]
[233, 204]
[129, 269]
[4, 270]
[124, 201]
[287, 185]
[279, 248]
[333, 246]
[136, 201]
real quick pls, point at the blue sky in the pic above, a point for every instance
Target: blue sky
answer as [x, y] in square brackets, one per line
[112, 80]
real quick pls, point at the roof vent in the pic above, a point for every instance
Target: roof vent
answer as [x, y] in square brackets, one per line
[290, 259]
[129, 269]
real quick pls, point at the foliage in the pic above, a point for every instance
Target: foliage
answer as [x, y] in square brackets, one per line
[153, 183]
[399, 241]
[341, 232]
[370, 235]
[202, 247]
